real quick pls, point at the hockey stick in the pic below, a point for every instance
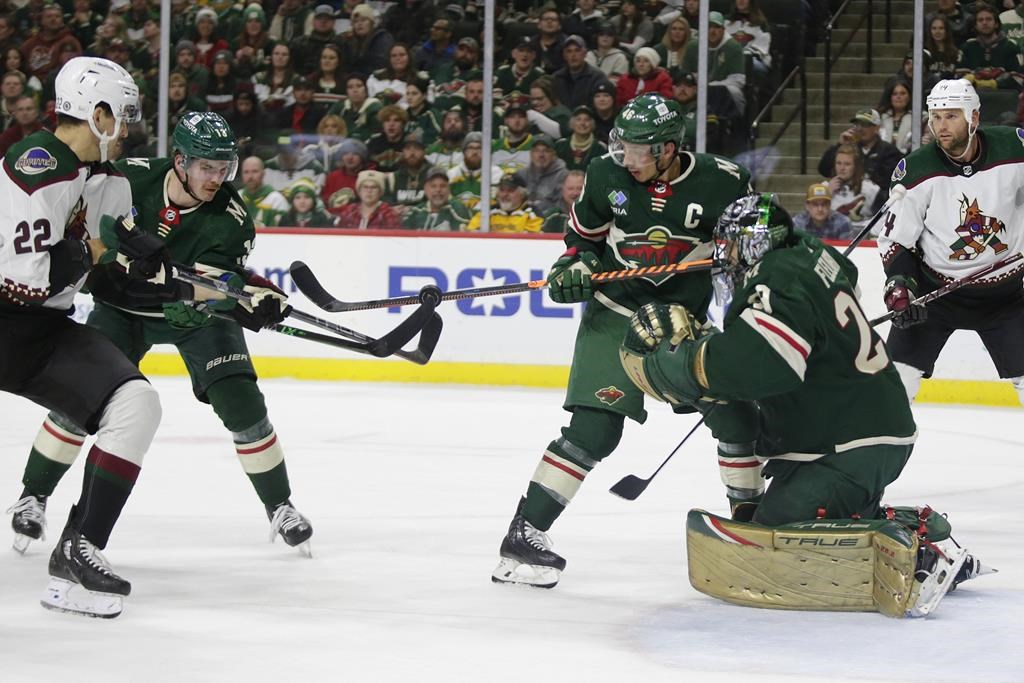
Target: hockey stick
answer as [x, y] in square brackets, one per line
[310, 286]
[423, 320]
[895, 195]
[631, 486]
[952, 286]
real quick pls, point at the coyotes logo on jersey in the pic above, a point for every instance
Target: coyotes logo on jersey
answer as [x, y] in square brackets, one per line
[76, 228]
[976, 231]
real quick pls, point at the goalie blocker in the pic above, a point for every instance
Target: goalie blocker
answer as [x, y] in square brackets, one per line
[843, 565]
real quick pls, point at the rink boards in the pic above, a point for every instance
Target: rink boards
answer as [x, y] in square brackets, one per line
[523, 339]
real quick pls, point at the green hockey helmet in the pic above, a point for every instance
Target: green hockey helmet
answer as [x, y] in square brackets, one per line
[649, 119]
[206, 135]
[748, 229]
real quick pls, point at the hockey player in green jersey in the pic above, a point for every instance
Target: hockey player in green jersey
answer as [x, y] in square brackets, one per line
[645, 203]
[961, 212]
[187, 201]
[796, 343]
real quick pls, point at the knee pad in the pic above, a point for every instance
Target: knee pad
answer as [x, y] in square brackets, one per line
[238, 402]
[911, 377]
[592, 435]
[129, 421]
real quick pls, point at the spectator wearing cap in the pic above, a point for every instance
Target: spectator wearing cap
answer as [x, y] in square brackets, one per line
[367, 46]
[423, 118]
[265, 204]
[328, 79]
[406, 187]
[684, 91]
[41, 51]
[291, 164]
[83, 22]
[512, 80]
[989, 59]
[386, 146]
[879, 156]
[207, 40]
[197, 75]
[446, 151]
[575, 81]
[389, 84]
[607, 56]
[634, 27]
[584, 21]
[26, 121]
[439, 211]
[253, 45]
[580, 148]
[549, 40]
[646, 77]
[511, 210]
[748, 26]
[547, 114]
[545, 175]
[340, 184]
[303, 115]
[306, 210]
[605, 110]
[369, 211]
[289, 22]
[359, 109]
[853, 193]
[726, 70]
[819, 219]
[436, 55]
[452, 91]
[220, 92]
[672, 48]
[556, 220]
[409, 20]
[465, 178]
[511, 152]
[306, 48]
[135, 18]
[274, 87]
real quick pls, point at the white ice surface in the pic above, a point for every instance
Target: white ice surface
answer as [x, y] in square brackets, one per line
[410, 489]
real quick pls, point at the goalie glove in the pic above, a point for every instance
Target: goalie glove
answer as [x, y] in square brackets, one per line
[143, 256]
[665, 372]
[898, 295]
[654, 323]
[569, 278]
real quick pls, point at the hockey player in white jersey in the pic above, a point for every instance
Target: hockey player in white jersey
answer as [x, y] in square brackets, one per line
[963, 210]
[62, 213]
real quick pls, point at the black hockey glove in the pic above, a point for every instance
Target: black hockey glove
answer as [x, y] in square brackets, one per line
[898, 295]
[266, 306]
[144, 256]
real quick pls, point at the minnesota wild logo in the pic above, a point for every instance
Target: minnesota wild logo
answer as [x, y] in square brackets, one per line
[655, 247]
[976, 232]
[609, 395]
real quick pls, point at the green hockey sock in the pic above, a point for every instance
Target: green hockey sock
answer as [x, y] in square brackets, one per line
[57, 445]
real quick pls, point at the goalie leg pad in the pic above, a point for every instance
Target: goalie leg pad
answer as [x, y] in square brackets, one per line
[829, 565]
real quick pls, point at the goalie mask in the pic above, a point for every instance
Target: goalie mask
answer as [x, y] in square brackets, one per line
[749, 228]
[641, 130]
[209, 152]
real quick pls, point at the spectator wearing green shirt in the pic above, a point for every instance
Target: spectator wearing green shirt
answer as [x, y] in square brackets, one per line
[580, 148]
[439, 212]
[726, 71]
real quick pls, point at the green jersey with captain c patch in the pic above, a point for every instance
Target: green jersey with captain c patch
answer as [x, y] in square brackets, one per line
[633, 224]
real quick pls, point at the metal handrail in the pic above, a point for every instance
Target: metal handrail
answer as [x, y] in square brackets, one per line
[830, 60]
[800, 108]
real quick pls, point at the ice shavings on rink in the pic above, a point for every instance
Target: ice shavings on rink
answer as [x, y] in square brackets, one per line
[410, 489]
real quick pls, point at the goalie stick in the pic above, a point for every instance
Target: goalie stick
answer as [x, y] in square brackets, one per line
[631, 486]
[310, 286]
[423, 321]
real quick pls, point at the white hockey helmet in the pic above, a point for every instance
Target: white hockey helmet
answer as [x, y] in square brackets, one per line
[85, 82]
[954, 93]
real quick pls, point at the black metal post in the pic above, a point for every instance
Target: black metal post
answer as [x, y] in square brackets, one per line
[828, 79]
[870, 48]
[803, 118]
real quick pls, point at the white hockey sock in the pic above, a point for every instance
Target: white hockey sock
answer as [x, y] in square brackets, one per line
[911, 377]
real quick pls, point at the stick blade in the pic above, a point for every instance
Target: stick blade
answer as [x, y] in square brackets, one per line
[629, 487]
[303, 277]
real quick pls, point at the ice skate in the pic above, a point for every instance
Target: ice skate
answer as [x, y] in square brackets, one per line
[294, 528]
[526, 556]
[971, 569]
[29, 520]
[937, 567]
[82, 581]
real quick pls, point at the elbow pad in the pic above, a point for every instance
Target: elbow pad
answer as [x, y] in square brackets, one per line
[70, 259]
